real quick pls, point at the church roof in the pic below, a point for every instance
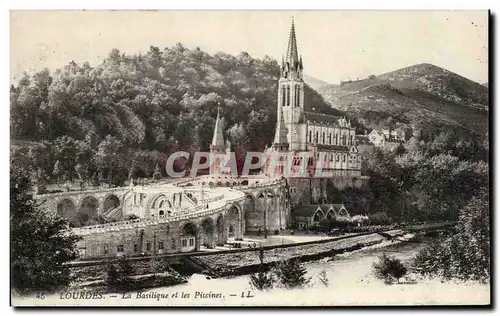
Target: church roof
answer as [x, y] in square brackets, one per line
[218, 138]
[331, 147]
[321, 119]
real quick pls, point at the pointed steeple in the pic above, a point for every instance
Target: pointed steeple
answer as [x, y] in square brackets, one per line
[292, 55]
[218, 139]
[280, 139]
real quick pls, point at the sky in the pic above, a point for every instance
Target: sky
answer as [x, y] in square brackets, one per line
[335, 45]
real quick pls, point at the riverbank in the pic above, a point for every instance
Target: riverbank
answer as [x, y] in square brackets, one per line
[351, 283]
[221, 264]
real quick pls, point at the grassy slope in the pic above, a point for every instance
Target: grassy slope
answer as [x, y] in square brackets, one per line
[419, 94]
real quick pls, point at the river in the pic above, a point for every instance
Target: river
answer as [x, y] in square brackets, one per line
[351, 283]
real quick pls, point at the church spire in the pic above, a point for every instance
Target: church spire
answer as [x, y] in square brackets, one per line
[218, 139]
[280, 139]
[292, 54]
[292, 64]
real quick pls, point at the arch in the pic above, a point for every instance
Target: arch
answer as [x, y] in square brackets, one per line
[244, 182]
[228, 184]
[66, 209]
[231, 231]
[233, 218]
[343, 212]
[258, 219]
[207, 233]
[88, 211]
[189, 184]
[111, 201]
[189, 237]
[318, 215]
[220, 231]
[249, 207]
[331, 214]
[211, 184]
[219, 184]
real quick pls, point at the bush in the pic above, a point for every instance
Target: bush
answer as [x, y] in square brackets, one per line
[379, 218]
[389, 268]
[292, 274]
[323, 277]
[159, 265]
[118, 274]
[261, 280]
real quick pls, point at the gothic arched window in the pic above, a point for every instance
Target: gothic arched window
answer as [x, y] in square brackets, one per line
[316, 138]
[310, 136]
[336, 139]
[297, 97]
[330, 138]
[323, 140]
[288, 95]
[283, 96]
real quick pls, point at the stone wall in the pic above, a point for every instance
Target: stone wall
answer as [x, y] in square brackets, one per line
[314, 190]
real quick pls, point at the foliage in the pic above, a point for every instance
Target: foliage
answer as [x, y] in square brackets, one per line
[323, 277]
[389, 267]
[118, 274]
[466, 254]
[262, 280]
[379, 218]
[40, 241]
[291, 274]
[145, 104]
[159, 265]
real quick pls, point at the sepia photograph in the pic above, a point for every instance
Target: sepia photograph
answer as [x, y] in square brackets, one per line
[163, 158]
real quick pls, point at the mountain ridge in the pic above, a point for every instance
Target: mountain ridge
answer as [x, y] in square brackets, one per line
[416, 95]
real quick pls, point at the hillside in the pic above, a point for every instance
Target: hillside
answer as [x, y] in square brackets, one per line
[315, 83]
[420, 95]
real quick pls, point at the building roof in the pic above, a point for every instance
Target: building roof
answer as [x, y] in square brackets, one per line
[331, 147]
[363, 140]
[310, 209]
[321, 119]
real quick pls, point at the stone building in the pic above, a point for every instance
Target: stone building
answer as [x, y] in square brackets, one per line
[329, 140]
[306, 216]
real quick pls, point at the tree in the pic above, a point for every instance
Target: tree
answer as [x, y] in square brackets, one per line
[292, 274]
[261, 280]
[323, 277]
[389, 268]
[465, 255]
[118, 274]
[57, 172]
[40, 241]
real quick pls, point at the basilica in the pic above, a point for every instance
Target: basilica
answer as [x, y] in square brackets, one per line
[329, 138]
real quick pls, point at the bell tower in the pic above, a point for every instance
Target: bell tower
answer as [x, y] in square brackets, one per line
[291, 94]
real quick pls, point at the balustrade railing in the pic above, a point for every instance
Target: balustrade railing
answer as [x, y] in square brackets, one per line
[186, 214]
